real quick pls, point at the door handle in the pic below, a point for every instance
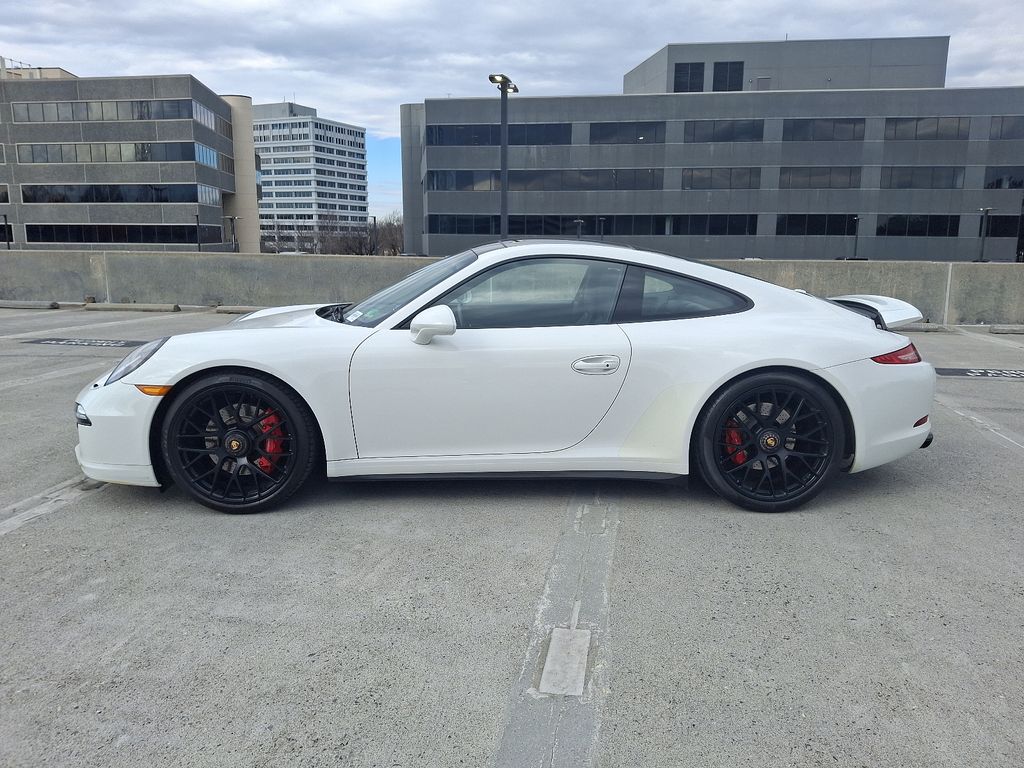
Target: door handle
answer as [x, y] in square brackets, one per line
[592, 364]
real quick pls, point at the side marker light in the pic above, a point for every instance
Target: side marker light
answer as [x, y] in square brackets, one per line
[156, 390]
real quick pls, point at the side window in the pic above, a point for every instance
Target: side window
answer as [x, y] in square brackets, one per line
[649, 294]
[538, 292]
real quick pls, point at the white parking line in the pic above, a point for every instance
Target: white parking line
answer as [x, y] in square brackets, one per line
[75, 328]
[56, 497]
[999, 431]
[58, 374]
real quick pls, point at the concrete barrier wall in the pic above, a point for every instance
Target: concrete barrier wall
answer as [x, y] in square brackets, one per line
[945, 292]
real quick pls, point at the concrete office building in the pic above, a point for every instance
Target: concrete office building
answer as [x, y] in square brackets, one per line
[314, 176]
[104, 163]
[788, 149]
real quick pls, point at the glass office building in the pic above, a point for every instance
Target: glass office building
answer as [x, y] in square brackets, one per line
[791, 149]
[136, 163]
[313, 177]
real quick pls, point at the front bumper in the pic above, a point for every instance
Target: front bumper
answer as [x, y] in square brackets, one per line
[114, 448]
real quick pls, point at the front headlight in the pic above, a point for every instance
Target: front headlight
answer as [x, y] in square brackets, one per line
[134, 360]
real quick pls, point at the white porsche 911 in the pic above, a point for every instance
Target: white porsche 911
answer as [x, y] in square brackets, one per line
[536, 357]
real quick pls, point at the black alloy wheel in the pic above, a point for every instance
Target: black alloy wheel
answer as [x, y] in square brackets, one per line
[238, 443]
[770, 442]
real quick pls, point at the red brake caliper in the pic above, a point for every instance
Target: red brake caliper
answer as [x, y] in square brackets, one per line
[270, 426]
[734, 438]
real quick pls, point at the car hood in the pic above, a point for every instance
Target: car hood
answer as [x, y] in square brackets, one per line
[298, 316]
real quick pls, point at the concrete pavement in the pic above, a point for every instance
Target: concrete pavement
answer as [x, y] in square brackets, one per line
[405, 623]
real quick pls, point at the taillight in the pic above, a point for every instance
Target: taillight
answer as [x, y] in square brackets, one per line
[901, 356]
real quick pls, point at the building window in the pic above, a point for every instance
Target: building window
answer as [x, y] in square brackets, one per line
[832, 224]
[1007, 127]
[180, 234]
[568, 180]
[519, 134]
[823, 129]
[917, 225]
[627, 133]
[160, 152]
[537, 225]
[109, 193]
[728, 76]
[91, 111]
[922, 177]
[1002, 226]
[927, 128]
[1004, 177]
[689, 77]
[5, 196]
[819, 177]
[700, 131]
[3, 155]
[721, 178]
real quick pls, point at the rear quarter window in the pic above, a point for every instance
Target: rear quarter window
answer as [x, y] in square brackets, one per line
[650, 295]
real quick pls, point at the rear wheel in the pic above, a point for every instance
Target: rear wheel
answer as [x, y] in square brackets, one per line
[238, 442]
[770, 442]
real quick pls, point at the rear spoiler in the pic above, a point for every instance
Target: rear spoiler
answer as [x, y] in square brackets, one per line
[886, 312]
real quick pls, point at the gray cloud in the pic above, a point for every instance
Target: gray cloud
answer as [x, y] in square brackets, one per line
[358, 61]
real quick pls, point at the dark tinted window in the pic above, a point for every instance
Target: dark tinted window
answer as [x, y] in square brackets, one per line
[627, 133]
[917, 225]
[1007, 127]
[721, 178]
[488, 134]
[181, 234]
[1003, 226]
[698, 131]
[728, 76]
[823, 129]
[818, 177]
[791, 224]
[1004, 177]
[650, 294]
[538, 293]
[927, 128]
[922, 177]
[689, 77]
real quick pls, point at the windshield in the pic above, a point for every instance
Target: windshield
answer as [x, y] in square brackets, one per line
[369, 312]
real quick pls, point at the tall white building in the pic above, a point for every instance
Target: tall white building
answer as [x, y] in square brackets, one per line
[313, 173]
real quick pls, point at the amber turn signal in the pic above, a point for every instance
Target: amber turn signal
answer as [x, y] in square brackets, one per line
[156, 390]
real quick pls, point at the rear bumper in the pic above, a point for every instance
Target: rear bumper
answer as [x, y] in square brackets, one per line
[885, 402]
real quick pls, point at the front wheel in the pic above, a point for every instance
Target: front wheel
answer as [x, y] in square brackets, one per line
[238, 442]
[770, 442]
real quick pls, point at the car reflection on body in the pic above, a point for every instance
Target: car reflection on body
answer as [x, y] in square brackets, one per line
[533, 357]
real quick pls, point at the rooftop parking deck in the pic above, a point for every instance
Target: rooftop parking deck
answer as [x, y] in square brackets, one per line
[408, 623]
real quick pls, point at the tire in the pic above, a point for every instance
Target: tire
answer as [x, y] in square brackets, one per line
[238, 442]
[770, 442]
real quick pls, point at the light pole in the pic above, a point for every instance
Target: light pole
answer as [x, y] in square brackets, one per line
[505, 86]
[234, 236]
[579, 227]
[856, 235]
[600, 227]
[373, 238]
[984, 232]
[7, 232]
[199, 242]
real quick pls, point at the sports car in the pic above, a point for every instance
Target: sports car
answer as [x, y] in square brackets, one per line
[533, 357]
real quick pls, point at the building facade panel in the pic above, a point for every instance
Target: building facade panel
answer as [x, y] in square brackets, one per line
[89, 162]
[909, 162]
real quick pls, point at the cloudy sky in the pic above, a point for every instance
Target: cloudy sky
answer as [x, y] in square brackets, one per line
[357, 60]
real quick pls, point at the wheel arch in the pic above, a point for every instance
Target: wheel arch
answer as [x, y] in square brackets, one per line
[156, 424]
[850, 438]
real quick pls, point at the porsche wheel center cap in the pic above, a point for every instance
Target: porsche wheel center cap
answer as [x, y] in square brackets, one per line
[770, 440]
[236, 444]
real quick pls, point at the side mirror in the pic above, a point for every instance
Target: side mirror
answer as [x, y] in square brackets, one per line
[431, 322]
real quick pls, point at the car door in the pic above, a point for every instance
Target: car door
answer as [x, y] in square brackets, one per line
[533, 366]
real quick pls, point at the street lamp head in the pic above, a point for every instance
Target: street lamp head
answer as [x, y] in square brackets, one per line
[512, 88]
[499, 79]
